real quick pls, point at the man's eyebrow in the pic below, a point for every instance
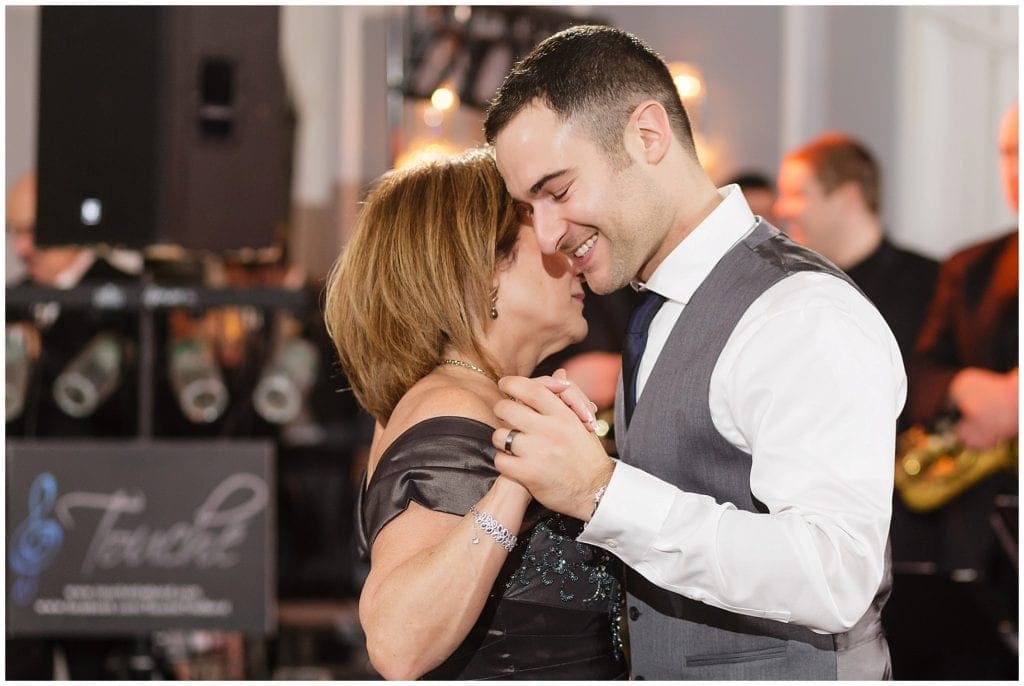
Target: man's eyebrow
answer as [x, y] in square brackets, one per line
[535, 188]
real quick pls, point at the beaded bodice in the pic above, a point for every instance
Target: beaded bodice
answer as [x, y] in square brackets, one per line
[552, 567]
[553, 609]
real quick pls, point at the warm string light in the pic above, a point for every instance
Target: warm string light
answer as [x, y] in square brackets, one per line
[444, 98]
[433, 142]
[689, 83]
[688, 80]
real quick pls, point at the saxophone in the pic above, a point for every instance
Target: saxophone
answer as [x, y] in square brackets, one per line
[934, 467]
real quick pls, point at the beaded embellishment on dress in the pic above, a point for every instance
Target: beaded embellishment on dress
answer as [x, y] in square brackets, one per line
[584, 571]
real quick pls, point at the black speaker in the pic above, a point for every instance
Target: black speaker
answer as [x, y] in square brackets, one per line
[161, 125]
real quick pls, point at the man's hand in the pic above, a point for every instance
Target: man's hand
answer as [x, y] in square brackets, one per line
[988, 404]
[554, 455]
[572, 395]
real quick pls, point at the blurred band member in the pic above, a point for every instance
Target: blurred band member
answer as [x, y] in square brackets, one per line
[829, 200]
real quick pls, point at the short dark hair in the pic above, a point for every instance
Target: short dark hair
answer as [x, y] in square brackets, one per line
[837, 158]
[597, 72]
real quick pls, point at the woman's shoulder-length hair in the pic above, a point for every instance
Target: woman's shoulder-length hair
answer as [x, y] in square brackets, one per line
[417, 274]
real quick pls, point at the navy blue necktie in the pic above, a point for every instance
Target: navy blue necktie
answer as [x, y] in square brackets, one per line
[633, 346]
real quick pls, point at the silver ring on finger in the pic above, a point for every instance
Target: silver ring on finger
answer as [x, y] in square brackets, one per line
[509, 437]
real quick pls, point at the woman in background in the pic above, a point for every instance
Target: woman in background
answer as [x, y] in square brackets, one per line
[441, 291]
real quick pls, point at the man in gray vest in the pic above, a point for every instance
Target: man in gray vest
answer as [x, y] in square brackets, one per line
[760, 389]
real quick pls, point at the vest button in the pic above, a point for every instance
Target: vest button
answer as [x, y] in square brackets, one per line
[634, 613]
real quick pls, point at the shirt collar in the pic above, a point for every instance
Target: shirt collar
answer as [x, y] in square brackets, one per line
[689, 263]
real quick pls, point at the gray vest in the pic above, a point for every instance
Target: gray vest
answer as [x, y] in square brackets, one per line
[672, 437]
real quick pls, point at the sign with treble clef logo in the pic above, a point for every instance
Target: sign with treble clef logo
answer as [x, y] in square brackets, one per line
[107, 537]
[36, 541]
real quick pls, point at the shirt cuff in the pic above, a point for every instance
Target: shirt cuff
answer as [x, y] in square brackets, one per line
[632, 512]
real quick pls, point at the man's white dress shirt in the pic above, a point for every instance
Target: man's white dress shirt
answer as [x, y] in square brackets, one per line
[809, 383]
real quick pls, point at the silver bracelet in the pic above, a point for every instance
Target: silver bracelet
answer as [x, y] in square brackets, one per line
[492, 528]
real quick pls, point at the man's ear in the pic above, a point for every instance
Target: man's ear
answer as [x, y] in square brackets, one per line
[851, 194]
[650, 131]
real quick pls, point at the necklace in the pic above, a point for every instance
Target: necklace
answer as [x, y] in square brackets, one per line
[467, 365]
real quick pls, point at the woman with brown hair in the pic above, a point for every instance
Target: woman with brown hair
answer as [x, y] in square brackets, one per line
[441, 291]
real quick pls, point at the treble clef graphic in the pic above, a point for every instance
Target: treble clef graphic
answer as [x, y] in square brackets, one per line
[36, 541]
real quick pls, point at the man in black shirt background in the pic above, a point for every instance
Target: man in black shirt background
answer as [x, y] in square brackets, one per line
[829, 200]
